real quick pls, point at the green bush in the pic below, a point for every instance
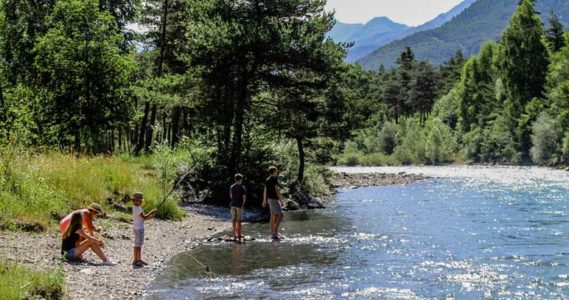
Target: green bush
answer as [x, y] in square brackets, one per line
[387, 138]
[498, 143]
[17, 282]
[544, 139]
[565, 149]
[411, 149]
[440, 144]
[472, 141]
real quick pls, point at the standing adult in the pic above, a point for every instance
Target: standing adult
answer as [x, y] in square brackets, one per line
[88, 214]
[272, 197]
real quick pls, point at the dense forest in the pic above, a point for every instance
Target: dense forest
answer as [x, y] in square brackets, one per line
[249, 84]
[508, 104]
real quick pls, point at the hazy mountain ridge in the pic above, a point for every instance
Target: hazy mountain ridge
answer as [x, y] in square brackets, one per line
[370, 41]
[483, 20]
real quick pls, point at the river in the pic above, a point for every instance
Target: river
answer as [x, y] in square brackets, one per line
[469, 233]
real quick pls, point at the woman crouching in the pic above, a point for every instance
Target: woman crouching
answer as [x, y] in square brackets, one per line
[76, 241]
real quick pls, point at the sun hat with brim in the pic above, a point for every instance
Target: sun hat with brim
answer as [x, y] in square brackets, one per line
[138, 195]
[96, 208]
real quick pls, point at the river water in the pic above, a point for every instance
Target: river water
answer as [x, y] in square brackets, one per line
[471, 233]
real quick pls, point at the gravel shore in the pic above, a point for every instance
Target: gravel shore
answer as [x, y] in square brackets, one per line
[91, 280]
[357, 180]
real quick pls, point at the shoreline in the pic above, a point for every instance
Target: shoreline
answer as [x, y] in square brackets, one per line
[91, 280]
[163, 240]
[349, 180]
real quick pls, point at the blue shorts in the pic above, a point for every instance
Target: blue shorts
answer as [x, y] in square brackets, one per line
[69, 255]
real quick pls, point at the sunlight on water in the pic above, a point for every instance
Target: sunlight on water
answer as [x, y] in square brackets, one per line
[465, 237]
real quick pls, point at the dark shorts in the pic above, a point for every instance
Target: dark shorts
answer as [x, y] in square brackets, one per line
[69, 255]
[275, 206]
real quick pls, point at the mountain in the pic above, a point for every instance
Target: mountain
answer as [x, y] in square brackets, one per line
[381, 31]
[483, 20]
[373, 32]
[342, 32]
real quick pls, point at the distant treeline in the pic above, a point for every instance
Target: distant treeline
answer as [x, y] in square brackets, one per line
[508, 104]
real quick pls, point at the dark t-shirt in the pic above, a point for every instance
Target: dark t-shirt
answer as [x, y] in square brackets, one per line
[271, 185]
[69, 242]
[237, 192]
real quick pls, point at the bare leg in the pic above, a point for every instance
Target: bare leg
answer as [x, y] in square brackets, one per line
[234, 223]
[278, 223]
[137, 253]
[88, 244]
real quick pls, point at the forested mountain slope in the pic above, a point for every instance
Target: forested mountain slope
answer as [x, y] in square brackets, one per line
[484, 20]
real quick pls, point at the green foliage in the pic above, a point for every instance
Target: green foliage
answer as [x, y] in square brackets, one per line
[17, 282]
[498, 144]
[387, 138]
[440, 144]
[33, 185]
[545, 140]
[411, 148]
[83, 77]
[554, 33]
[565, 149]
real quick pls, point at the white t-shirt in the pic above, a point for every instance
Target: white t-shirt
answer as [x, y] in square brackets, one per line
[137, 220]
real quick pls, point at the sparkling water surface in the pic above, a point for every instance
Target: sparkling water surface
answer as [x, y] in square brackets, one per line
[471, 233]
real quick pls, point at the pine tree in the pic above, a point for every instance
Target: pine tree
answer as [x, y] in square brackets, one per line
[524, 60]
[554, 33]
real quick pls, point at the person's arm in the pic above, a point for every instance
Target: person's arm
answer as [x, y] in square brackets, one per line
[265, 197]
[278, 190]
[87, 236]
[89, 224]
[149, 215]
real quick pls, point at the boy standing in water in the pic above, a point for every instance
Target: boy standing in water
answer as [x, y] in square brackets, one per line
[272, 196]
[138, 218]
[238, 196]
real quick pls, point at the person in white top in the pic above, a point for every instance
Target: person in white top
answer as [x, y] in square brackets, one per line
[138, 218]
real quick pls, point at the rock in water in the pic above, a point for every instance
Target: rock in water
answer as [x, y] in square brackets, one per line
[315, 203]
[292, 205]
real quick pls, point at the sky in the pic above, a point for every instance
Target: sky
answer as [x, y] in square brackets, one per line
[409, 12]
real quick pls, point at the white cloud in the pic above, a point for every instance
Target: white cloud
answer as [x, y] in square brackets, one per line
[410, 12]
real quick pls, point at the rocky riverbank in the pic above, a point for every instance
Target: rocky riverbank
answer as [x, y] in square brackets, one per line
[357, 180]
[91, 280]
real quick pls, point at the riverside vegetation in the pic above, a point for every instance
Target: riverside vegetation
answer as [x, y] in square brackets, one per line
[91, 110]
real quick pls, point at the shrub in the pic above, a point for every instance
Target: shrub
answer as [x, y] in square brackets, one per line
[498, 143]
[544, 139]
[472, 143]
[412, 143]
[565, 149]
[440, 144]
[387, 138]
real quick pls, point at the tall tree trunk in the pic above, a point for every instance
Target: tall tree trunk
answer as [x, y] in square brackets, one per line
[235, 160]
[121, 149]
[150, 128]
[175, 126]
[143, 124]
[77, 141]
[165, 134]
[301, 160]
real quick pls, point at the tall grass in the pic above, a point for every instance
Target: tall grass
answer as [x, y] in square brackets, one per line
[17, 282]
[35, 188]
